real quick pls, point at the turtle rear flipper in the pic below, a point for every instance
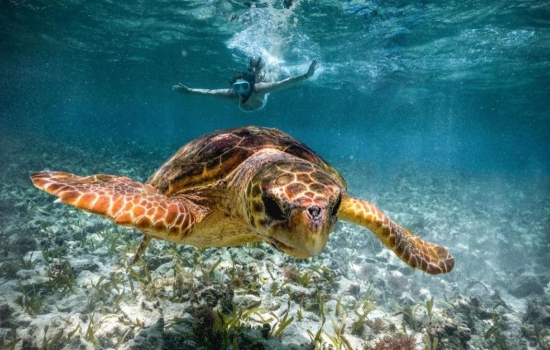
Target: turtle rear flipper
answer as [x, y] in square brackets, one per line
[413, 250]
[126, 202]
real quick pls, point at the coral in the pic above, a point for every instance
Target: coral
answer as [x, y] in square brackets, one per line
[537, 321]
[397, 342]
[207, 327]
[450, 333]
[215, 295]
[266, 329]
[526, 285]
[538, 312]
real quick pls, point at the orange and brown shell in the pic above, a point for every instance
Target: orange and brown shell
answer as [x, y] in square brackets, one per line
[214, 156]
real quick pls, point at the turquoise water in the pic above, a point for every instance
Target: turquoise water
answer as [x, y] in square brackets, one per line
[464, 83]
[450, 96]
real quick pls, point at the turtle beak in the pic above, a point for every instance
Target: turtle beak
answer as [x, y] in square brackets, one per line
[305, 233]
[316, 217]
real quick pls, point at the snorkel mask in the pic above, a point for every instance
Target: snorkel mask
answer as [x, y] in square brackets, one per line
[241, 86]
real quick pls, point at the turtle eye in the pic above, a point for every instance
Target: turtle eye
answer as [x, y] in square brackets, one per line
[336, 206]
[272, 208]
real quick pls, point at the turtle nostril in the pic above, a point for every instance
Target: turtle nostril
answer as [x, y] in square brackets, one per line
[314, 212]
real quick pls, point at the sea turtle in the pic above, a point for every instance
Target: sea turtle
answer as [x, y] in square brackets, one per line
[242, 185]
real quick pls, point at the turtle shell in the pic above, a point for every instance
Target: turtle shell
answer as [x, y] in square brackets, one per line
[213, 156]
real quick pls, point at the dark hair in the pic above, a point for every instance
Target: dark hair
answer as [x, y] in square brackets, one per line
[253, 75]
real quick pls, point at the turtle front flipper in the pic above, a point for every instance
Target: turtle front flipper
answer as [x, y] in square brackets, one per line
[126, 202]
[413, 250]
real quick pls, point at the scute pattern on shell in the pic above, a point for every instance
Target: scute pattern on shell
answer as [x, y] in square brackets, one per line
[213, 156]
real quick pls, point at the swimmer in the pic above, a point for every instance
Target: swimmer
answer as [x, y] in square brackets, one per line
[247, 88]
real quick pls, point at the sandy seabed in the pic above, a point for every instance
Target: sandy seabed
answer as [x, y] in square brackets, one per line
[65, 282]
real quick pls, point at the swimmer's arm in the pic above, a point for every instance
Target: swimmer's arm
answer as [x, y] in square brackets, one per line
[222, 93]
[265, 88]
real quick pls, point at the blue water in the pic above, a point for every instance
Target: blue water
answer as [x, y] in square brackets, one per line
[453, 84]
[451, 89]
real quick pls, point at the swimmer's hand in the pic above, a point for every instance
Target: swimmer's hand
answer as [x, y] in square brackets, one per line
[181, 88]
[311, 68]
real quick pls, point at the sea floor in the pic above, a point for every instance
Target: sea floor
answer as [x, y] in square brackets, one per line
[65, 282]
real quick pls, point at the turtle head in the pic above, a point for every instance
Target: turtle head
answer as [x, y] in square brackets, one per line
[293, 206]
